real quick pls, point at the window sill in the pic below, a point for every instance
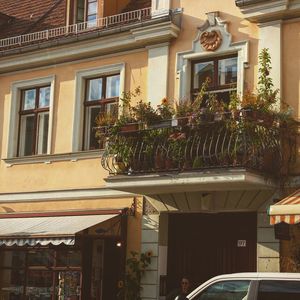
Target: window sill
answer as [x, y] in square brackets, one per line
[49, 158]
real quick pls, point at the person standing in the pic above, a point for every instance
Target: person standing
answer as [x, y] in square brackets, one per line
[182, 292]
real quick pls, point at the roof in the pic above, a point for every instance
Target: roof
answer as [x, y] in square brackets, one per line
[137, 4]
[287, 210]
[31, 15]
[47, 230]
[247, 276]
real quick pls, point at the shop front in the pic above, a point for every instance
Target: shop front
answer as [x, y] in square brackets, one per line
[285, 216]
[72, 257]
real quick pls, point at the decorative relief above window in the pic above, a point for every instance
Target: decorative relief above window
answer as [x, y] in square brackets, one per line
[213, 55]
[211, 41]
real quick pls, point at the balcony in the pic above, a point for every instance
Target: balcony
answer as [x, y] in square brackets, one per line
[243, 150]
[100, 24]
[134, 29]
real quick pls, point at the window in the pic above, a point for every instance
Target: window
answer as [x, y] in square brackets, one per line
[31, 117]
[226, 290]
[107, 82]
[41, 274]
[101, 96]
[279, 290]
[87, 10]
[34, 121]
[222, 75]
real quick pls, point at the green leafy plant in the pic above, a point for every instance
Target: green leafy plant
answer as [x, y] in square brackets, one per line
[136, 265]
[267, 95]
[184, 108]
[165, 110]
[143, 112]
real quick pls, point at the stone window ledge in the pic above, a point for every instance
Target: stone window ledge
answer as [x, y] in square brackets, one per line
[49, 158]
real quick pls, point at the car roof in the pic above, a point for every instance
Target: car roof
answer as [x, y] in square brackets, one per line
[250, 276]
[260, 275]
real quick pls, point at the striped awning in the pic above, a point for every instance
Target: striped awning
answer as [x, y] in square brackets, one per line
[55, 230]
[287, 210]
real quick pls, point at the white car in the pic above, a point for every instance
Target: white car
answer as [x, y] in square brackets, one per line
[249, 286]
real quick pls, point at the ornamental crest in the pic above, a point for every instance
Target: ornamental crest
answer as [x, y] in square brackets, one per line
[211, 40]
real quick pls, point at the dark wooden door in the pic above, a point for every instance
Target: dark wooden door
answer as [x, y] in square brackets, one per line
[201, 246]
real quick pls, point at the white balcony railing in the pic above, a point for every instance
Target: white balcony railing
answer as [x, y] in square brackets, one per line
[74, 29]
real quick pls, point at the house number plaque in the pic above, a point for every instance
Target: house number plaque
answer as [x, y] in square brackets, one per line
[241, 243]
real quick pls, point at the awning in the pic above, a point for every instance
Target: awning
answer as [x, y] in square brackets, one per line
[53, 230]
[287, 210]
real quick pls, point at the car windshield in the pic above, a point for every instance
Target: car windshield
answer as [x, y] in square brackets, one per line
[225, 290]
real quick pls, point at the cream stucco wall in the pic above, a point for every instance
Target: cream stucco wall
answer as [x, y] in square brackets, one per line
[194, 15]
[42, 176]
[291, 65]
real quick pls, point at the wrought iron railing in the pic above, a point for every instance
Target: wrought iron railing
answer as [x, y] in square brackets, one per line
[217, 144]
[75, 29]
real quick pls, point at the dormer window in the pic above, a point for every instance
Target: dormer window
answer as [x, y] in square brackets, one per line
[86, 11]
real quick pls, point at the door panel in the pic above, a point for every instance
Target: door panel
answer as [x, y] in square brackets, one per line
[201, 246]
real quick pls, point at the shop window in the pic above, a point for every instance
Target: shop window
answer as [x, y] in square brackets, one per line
[101, 98]
[34, 121]
[221, 74]
[41, 274]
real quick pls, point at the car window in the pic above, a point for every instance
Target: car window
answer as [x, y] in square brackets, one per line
[279, 290]
[226, 290]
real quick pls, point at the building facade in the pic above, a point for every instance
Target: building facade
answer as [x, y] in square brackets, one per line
[69, 218]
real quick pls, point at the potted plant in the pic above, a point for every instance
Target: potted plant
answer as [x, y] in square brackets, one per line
[145, 114]
[165, 111]
[234, 105]
[184, 112]
[136, 265]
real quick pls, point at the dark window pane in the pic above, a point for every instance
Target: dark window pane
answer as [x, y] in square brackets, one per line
[80, 11]
[113, 86]
[94, 89]
[12, 284]
[43, 257]
[226, 290]
[26, 135]
[12, 259]
[279, 290]
[42, 135]
[29, 99]
[44, 99]
[227, 71]
[39, 284]
[69, 258]
[112, 109]
[90, 140]
[202, 72]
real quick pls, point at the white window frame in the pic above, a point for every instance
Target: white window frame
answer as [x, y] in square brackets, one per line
[184, 59]
[16, 88]
[80, 79]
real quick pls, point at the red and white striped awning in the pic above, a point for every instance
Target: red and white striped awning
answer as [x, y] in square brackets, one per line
[287, 210]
